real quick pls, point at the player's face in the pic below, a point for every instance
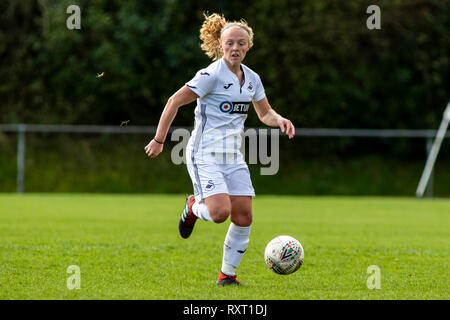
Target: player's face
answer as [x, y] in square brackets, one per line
[235, 44]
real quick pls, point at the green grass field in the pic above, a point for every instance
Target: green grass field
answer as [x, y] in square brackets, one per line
[128, 247]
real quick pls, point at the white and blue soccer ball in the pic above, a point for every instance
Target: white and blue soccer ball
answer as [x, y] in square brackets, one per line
[284, 255]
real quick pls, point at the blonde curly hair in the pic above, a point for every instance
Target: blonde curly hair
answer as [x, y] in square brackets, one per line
[211, 31]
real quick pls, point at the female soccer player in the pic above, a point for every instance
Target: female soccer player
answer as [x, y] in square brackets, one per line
[220, 176]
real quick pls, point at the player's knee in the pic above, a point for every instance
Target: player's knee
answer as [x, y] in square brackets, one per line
[243, 219]
[220, 215]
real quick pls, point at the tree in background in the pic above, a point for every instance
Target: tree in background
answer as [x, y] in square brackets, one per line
[320, 64]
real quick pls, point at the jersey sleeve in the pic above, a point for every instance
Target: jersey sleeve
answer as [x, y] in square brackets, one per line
[259, 90]
[202, 83]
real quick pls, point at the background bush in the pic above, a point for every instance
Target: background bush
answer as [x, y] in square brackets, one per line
[320, 65]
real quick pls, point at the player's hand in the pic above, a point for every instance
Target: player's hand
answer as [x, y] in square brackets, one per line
[286, 126]
[153, 149]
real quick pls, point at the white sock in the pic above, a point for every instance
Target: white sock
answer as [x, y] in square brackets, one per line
[201, 211]
[234, 248]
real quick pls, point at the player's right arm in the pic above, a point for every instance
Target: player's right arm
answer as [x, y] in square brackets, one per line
[180, 98]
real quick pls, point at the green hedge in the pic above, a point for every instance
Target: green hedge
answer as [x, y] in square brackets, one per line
[320, 64]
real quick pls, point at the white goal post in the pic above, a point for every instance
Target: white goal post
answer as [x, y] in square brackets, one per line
[429, 165]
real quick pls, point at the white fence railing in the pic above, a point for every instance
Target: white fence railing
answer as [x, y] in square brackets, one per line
[22, 129]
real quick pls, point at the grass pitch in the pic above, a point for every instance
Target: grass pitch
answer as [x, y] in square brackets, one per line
[128, 247]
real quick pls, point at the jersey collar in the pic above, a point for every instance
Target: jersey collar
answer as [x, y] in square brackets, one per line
[233, 74]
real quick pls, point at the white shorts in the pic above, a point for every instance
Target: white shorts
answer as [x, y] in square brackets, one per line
[210, 178]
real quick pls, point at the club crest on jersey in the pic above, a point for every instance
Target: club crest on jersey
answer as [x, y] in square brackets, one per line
[234, 107]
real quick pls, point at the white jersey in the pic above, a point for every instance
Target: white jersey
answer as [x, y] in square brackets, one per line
[221, 111]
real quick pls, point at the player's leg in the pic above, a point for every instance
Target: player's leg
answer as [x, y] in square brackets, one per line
[219, 207]
[241, 210]
[215, 208]
[210, 201]
[238, 235]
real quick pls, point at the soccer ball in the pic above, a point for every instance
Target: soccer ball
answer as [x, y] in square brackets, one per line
[284, 255]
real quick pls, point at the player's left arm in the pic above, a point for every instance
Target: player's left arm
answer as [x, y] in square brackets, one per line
[269, 117]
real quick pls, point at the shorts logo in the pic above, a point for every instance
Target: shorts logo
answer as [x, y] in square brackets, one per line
[234, 107]
[210, 185]
[226, 106]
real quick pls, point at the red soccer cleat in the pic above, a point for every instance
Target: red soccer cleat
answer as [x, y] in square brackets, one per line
[226, 280]
[188, 218]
